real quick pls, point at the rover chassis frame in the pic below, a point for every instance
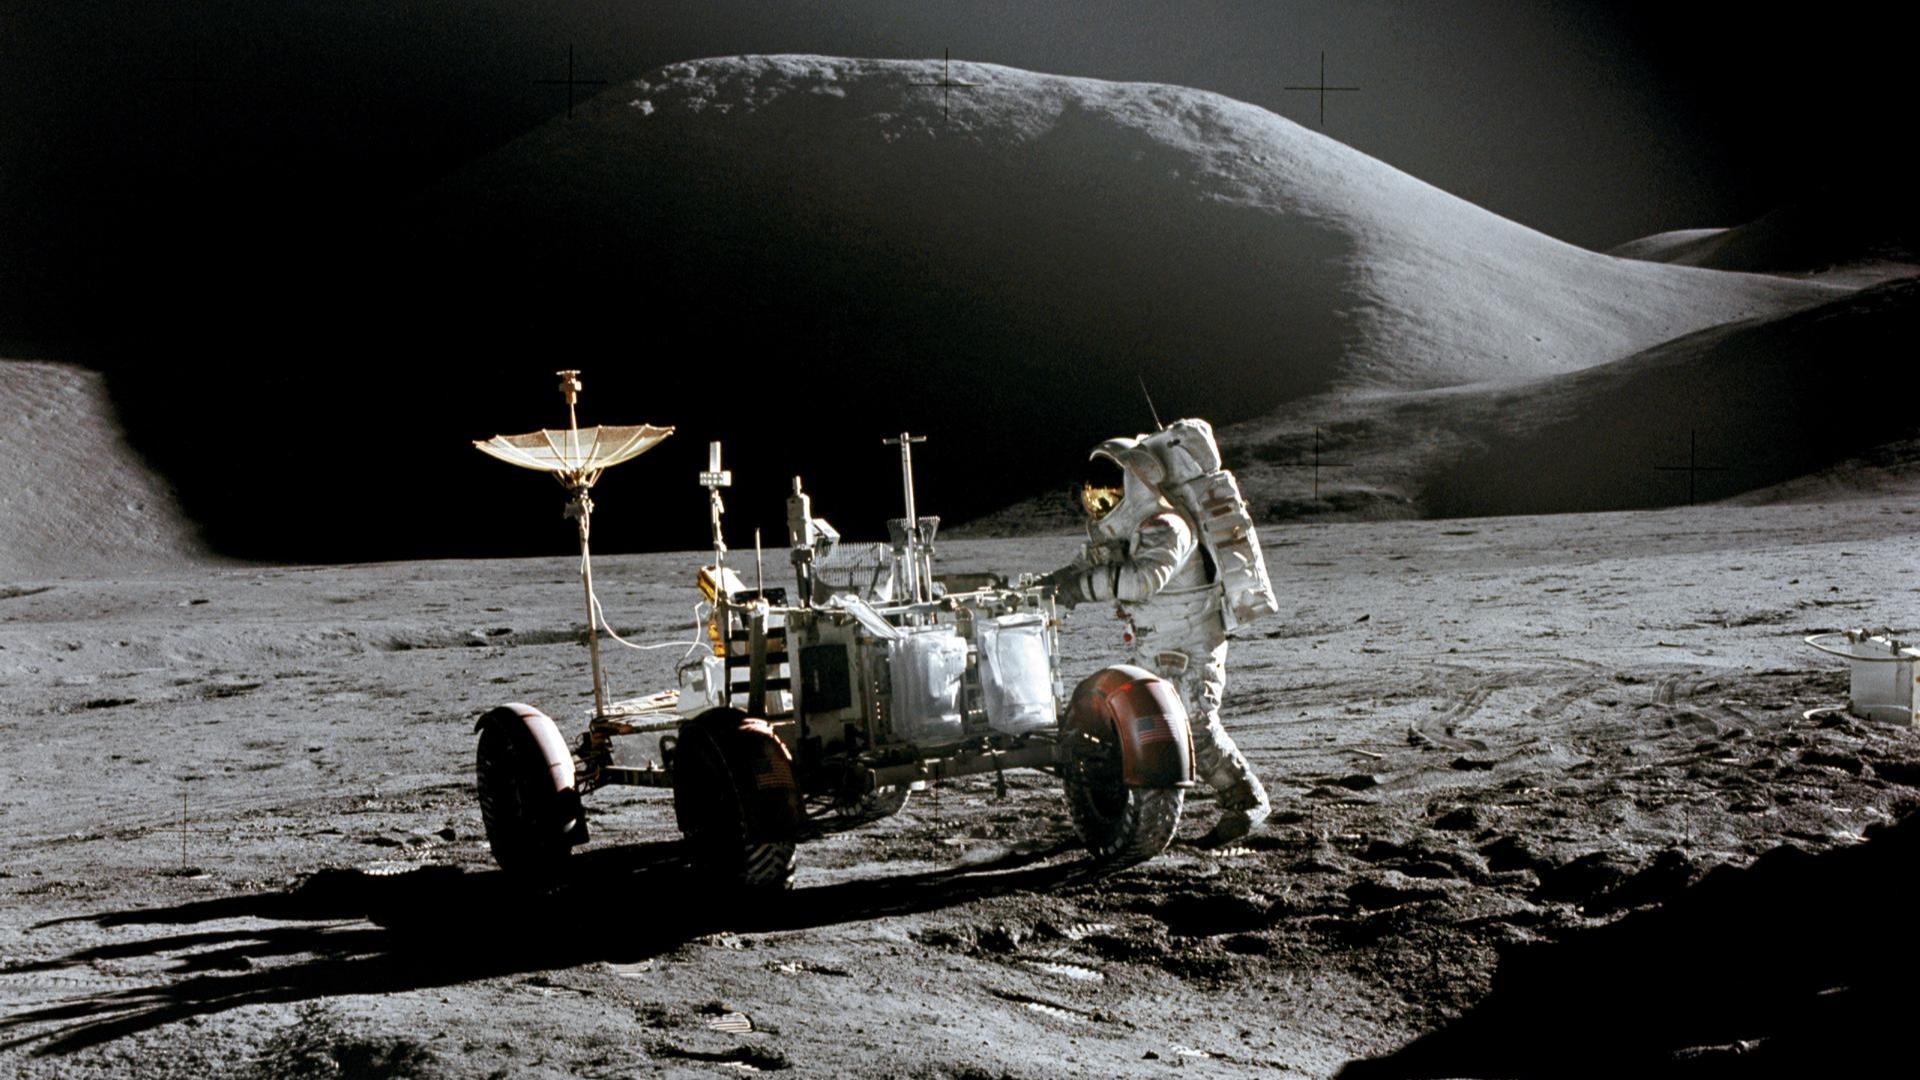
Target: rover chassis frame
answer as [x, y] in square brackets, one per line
[859, 775]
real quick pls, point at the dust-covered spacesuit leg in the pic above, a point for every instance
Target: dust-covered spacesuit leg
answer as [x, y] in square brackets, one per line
[1202, 679]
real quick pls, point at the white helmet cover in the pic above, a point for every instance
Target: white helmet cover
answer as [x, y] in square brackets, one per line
[1142, 473]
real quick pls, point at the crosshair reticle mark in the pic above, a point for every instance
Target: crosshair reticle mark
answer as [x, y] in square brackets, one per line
[184, 830]
[1693, 467]
[1316, 464]
[947, 85]
[1322, 88]
[570, 82]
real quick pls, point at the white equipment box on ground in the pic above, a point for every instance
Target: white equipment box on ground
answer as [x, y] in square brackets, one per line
[1886, 674]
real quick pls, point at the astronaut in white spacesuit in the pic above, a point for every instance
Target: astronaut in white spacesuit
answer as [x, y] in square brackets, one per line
[1144, 555]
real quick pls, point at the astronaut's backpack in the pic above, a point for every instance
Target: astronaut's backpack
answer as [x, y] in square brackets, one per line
[1209, 494]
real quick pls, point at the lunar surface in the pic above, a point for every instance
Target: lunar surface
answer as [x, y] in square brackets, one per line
[241, 836]
[1557, 795]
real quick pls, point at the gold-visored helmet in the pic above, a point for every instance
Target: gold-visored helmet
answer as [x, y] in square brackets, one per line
[1103, 487]
[1116, 469]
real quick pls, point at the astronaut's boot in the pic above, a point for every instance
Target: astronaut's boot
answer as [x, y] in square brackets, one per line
[1242, 798]
[1243, 808]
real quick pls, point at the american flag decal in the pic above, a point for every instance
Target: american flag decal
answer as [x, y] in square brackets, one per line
[772, 772]
[1148, 729]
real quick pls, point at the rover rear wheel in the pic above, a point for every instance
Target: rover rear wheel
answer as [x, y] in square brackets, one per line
[1119, 824]
[735, 798]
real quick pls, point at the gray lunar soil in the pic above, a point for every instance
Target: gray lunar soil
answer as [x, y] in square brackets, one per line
[241, 839]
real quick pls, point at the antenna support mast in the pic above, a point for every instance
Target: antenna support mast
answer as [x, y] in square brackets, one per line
[905, 443]
[1157, 425]
[912, 536]
[576, 458]
[713, 480]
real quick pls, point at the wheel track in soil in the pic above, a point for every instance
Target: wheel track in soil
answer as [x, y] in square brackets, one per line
[234, 810]
[1442, 731]
[1675, 693]
[67, 986]
[1557, 705]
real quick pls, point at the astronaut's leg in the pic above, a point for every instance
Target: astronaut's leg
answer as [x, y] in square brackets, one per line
[1202, 678]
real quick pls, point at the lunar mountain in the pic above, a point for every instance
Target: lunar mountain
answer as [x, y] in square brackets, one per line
[74, 496]
[1033, 222]
[1015, 237]
[997, 258]
[1861, 233]
[1770, 410]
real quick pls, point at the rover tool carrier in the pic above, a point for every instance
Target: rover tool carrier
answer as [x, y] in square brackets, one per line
[827, 708]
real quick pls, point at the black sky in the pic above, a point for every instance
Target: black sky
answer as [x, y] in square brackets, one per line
[202, 196]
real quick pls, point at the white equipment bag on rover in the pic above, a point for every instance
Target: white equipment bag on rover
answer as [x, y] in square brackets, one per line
[1016, 675]
[1211, 497]
[927, 667]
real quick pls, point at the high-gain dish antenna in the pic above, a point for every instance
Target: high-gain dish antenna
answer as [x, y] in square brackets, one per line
[576, 457]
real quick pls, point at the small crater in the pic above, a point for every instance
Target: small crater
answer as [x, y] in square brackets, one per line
[1212, 914]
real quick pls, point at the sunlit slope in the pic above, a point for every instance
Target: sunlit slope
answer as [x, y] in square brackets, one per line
[1043, 223]
[74, 497]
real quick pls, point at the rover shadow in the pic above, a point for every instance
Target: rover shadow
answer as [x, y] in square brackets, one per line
[351, 932]
[1797, 965]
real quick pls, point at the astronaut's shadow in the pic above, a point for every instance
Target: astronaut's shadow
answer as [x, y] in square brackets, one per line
[360, 933]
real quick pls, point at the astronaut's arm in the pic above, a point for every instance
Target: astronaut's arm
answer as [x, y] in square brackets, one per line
[1165, 543]
[1068, 582]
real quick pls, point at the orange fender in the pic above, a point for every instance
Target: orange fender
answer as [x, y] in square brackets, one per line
[541, 737]
[755, 762]
[1145, 713]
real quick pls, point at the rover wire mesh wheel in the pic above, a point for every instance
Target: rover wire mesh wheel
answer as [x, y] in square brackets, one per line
[734, 796]
[527, 822]
[828, 814]
[1119, 824]
[882, 802]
